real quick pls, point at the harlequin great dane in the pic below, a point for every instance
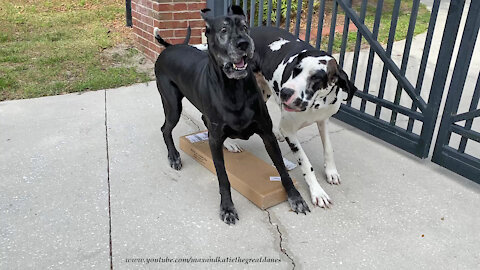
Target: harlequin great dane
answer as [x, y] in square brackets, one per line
[221, 85]
[306, 84]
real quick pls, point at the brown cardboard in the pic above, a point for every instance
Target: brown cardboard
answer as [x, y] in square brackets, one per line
[247, 173]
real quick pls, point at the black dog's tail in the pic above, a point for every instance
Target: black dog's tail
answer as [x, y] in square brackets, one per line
[156, 33]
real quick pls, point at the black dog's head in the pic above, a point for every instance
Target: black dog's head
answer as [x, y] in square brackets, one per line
[312, 75]
[229, 42]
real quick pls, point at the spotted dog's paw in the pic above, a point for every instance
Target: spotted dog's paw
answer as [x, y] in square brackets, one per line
[297, 204]
[333, 177]
[320, 197]
[228, 214]
[232, 146]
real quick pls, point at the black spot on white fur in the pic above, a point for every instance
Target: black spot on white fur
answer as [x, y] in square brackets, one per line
[275, 87]
[292, 146]
[296, 71]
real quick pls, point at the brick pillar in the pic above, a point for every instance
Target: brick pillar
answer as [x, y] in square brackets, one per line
[172, 17]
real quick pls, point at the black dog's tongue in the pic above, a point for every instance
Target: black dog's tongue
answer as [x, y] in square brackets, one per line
[240, 64]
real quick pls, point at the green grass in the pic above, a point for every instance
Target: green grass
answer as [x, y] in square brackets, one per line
[421, 24]
[55, 47]
[52, 47]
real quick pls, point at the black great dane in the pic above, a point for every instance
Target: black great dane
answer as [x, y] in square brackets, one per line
[223, 88]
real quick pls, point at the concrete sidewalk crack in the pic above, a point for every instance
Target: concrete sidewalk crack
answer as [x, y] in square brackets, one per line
[283, 250]
[108, 184]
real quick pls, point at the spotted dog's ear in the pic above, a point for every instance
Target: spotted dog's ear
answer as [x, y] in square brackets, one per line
[346, 85]
[206, 18]
[235, 10]
[332, 69]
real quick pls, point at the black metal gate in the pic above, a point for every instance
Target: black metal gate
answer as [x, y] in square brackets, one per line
[446, 155]
[382, 111]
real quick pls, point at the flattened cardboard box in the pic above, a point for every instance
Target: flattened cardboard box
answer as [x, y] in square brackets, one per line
[247, 173]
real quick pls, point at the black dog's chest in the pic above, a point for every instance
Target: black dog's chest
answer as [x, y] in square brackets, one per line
[244, 133]
[239, 122]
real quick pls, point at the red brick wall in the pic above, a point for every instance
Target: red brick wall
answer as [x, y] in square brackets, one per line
[172, 17]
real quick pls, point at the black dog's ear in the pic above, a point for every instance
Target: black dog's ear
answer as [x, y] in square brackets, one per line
[346, 85]
[205, 17]
[235, 10]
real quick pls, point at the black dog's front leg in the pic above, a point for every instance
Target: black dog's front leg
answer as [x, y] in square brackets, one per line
[294, 198]
[227, 211]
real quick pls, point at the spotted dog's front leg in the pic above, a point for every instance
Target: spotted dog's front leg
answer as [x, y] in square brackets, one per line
[330, 169]
[318, 195]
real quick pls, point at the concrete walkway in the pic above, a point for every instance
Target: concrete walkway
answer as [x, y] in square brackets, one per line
[391, 211]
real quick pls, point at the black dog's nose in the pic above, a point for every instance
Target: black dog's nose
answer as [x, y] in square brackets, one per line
[242, 44]
[286, 94]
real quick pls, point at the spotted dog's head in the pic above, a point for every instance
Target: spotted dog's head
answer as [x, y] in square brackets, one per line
[229, 42]
[309, 76]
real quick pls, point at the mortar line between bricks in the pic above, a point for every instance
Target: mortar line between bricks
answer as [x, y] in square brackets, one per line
[284, 251]
[108, 184]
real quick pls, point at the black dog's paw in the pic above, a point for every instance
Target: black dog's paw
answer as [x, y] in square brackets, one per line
[175, 162]
[228, 214]
[297, 204]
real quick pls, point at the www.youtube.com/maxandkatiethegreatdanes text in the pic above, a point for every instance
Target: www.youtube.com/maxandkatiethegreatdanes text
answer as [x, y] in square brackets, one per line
[217, 259]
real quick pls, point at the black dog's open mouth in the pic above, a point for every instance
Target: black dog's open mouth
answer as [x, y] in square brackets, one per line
[240, 65]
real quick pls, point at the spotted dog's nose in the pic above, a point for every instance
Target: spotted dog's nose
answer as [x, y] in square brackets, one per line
[286, 95]
[242, 44]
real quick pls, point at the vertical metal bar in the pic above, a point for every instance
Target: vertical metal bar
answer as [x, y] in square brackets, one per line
[406, 54]
[128, 12]
[309, 21]
[371, 55]
[346, 25]
[269, 13]
[441, 71]
[237, 2]
[460, 72]
[299, 17]
[469, 122]
[225, 7]
[333, 24]
[356, 53]
[426, 52]
[279, 13]
[260, 13]
[321, 13]
[391, 39]
[289, 11]
[252, 13]
[245, 5]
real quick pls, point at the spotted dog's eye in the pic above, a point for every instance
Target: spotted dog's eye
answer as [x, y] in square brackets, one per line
[316, 86]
